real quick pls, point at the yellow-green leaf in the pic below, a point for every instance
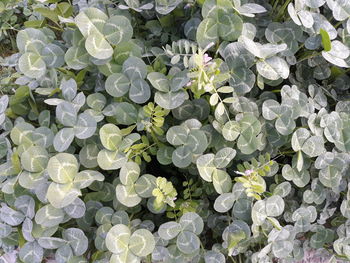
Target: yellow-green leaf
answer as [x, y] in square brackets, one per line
[326, 41]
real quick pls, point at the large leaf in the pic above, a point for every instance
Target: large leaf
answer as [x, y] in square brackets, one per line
[206, 166]
[117, 84]
[192, 222]
[62, 195]
[85, 126]
[170, 100]
[51, 242]
[145, 185]
[35, 159]
[230, 26]
[31, 40]
[197, 141]
[164, 7]
[49, 216]
[129, 173]
[110, 136]
[142, 242]
[159, 81]
[76, 209]
[273, 68]
[182, 156]
[66, 114]
[77, 57]
[169, 230]
[26, 205]
[214, 257]
[134, 68]
[222, 181]
[117, 29]
[11, 216]
[88, 155]
[77, 240]
[63, 139]
[207, 32]
[337, 54]
[274, 205]
[117, 239]
[32, 65]
[62, 168]
[31, 252]
[53, 56]
[177, 135]
[90, 21]
[22, 133]
[224, 157]
[124, 257]
[187, 242]
[111, 160]
[231, 130]
[84, 178]
[224, 202]
[98, 47]
[127, 195]
[126, 113]
[140, 91]
[262, 51]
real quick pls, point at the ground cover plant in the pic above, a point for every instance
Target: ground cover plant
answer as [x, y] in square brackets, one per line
[175, 131]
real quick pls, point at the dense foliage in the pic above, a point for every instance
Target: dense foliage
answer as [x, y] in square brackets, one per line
[175, 131]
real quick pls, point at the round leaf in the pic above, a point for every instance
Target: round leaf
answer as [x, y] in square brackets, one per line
[187, 242]
[35, 159]
[142, 243]
[62, 168]
[117, 239]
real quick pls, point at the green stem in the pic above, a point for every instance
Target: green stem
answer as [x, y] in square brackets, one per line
[338, 24]
[276, 91]
[175, 214]
[275, 5]
[234, 261]
[143, 150]
[155, 139]
[149, 259]
[315, 54]
[202, 247]
[263, 231]
[286, 152]
[282, 10]
[106, 7]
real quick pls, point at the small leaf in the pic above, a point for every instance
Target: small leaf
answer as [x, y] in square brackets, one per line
[326, 41]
